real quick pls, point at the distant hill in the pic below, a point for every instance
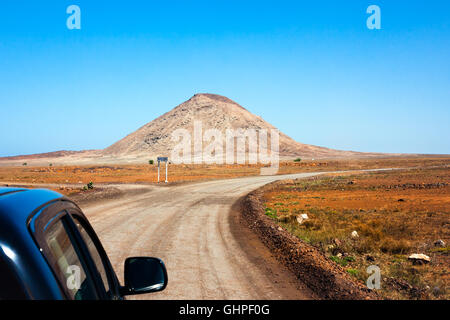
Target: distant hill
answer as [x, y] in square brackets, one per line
[55, 154]
[214, 112]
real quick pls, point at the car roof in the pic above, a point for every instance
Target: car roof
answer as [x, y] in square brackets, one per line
[16, 204]
[18, 251]
[4, 190]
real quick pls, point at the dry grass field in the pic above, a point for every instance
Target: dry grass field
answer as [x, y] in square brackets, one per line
[147, 173]
[395, 213]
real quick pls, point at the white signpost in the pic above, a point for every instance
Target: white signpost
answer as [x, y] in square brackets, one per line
[166, 160]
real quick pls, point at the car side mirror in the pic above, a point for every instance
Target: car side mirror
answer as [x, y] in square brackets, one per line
[144, 275]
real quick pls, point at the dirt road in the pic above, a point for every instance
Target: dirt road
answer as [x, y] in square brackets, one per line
[195, 230]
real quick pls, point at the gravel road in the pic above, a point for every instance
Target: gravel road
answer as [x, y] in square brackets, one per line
[196, 230]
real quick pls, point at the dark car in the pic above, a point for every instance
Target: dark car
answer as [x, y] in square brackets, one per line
[48, 251]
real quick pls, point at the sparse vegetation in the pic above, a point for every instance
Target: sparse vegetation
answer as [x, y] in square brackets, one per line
[388, 230]
[271, 213]
[353, 272]
[338, 260]
[128, 173]
[89, 186]
[24, 164]
[151, 162]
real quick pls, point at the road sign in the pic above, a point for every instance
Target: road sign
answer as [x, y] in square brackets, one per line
[166, 160]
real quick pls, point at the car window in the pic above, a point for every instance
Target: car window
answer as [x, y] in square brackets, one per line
[96, 257]
[77, 282]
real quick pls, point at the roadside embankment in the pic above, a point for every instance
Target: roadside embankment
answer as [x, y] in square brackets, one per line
[309, 265]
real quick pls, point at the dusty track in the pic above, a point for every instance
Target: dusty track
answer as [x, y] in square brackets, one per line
[194, 228]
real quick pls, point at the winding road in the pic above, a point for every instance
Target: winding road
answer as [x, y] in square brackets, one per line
[196, 230]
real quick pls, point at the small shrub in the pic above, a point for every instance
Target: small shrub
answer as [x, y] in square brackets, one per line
[339, 261]
[395, 246]
[371, 229]
[349, 259]
[90, 185]
[353, 272]
[24, 164]
[298, 160]
[50, 165]
[272, 213]
[151, 162]
[366, 245]
[285, 218]
[311, 225]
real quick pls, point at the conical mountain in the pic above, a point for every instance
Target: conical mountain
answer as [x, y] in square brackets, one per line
[214, 112]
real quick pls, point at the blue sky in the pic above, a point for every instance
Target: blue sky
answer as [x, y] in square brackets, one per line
[311, 68]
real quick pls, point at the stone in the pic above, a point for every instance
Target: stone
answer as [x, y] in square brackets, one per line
[419, 258]
[337, 242]
[301, 218]
[439, 243]
[354, 234]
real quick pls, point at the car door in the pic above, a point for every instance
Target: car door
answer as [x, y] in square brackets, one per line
[74, 253]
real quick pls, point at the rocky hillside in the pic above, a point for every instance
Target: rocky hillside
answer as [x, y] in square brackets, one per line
[214, 112]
